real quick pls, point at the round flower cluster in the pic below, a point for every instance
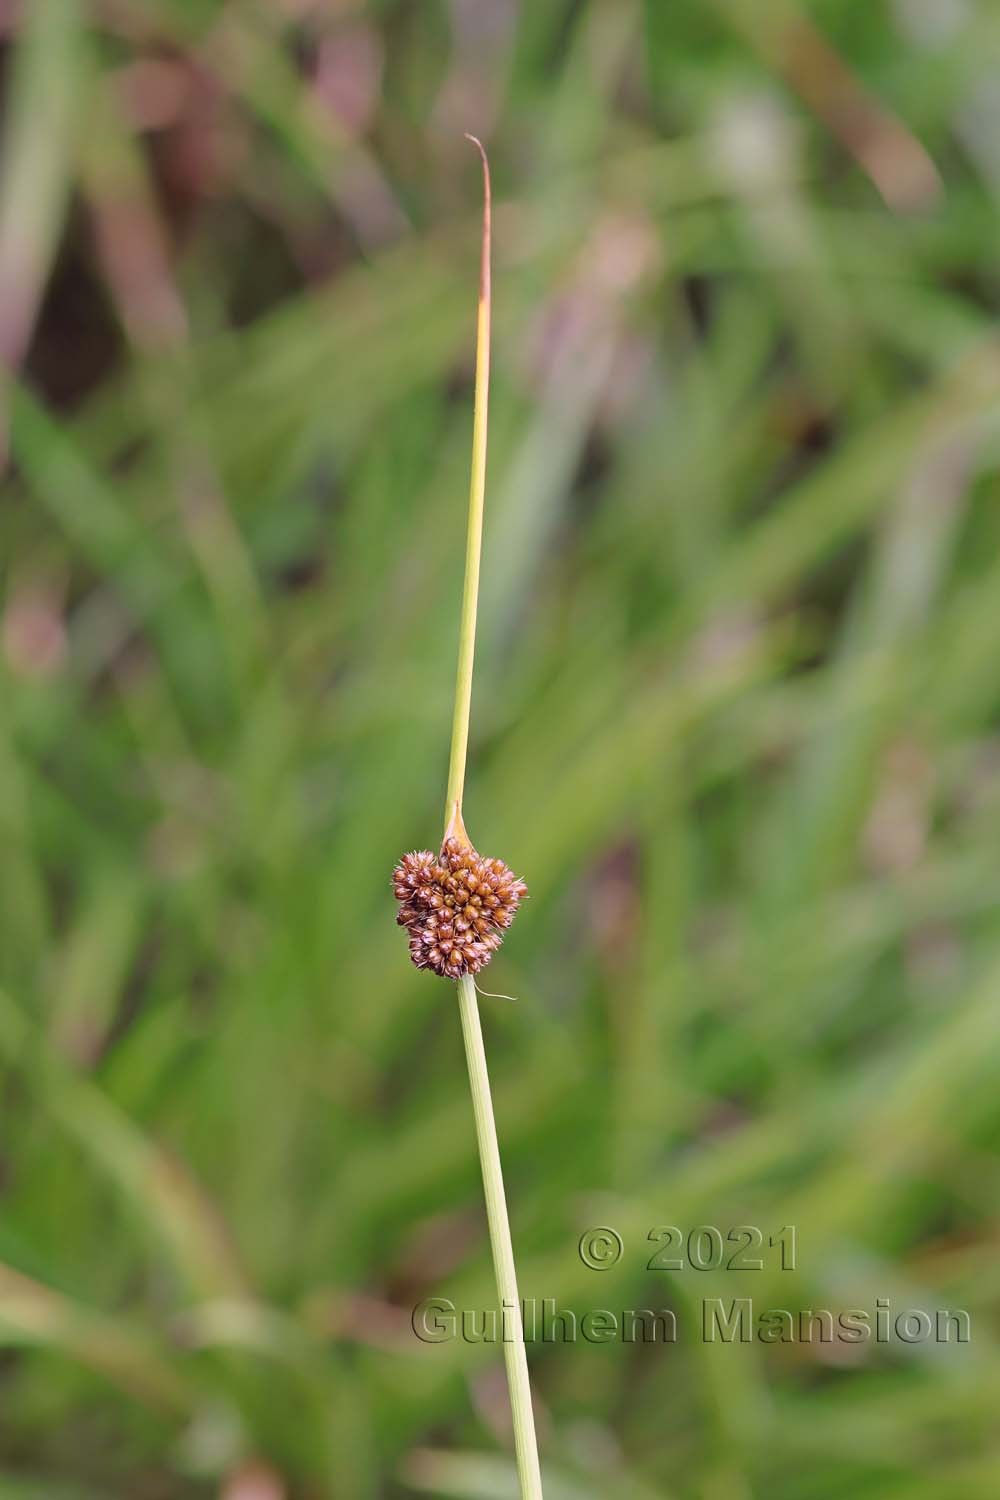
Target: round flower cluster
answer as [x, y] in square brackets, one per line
[455, 907]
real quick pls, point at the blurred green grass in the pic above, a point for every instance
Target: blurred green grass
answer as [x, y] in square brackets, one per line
[735, 720]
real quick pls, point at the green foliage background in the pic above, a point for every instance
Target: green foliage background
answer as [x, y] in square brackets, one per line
[735, 721]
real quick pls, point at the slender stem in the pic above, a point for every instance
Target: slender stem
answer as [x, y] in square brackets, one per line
[525, 1444]
[474, 541]
[515, 1358]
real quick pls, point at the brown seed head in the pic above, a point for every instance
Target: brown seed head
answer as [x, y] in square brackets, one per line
[455, 907]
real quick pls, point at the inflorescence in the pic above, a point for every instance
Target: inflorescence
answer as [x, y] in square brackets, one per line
[455, 907]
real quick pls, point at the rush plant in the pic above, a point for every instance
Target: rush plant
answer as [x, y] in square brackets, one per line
[456, 906]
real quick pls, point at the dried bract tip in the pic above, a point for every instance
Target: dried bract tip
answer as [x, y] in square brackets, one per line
[455, 907]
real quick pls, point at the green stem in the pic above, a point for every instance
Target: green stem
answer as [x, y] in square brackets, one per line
[515, 1358]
